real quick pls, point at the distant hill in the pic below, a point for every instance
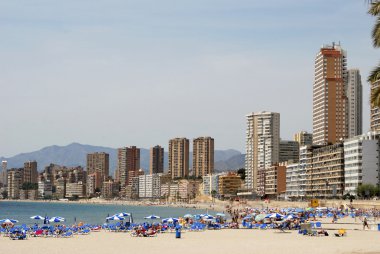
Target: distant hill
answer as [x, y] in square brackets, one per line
[75, 155]
[234, 162]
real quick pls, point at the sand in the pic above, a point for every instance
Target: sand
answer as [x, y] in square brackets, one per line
[218, 242]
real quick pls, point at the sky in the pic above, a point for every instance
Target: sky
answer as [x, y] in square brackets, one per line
[121, 72]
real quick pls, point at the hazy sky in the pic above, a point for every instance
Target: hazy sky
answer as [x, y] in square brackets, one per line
[119, 73]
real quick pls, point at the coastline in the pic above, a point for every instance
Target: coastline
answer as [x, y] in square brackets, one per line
[216, 207]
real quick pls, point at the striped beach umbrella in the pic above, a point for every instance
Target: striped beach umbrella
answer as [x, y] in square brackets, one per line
[122, 214]
[8, 221]
[37, 217]
[169, 220]
[56, 219]
[114, 217]
[152, 217]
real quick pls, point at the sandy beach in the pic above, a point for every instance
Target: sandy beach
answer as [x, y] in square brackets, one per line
[219, 241]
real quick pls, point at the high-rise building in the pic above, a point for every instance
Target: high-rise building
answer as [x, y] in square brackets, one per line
[375, 111]
[156, 163]
[30, 172]
[98, 162]
[15, 178]
[289, 151]
[262, 144]
[3, 174]
[128, 164]
[179, 157]
[203, 156]
[329, 96]
[355, 103]
[304, 138]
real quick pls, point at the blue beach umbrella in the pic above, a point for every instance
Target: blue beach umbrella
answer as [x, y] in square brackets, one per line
[290, 217]
[221, 215]
[208, 217]
[7, 221]
[169, 220]
[275, 216]
[122, 214]
[37, 217]
[188, 216]
[248, 217]
[114, 217]
[152, 217]
[57, 219]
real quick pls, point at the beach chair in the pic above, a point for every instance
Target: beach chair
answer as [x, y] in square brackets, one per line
[67, 234]
[263, 226]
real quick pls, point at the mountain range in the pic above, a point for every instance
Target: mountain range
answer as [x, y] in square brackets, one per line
[75, 155]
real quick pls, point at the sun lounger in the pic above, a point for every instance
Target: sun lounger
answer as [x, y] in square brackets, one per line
[67, 234]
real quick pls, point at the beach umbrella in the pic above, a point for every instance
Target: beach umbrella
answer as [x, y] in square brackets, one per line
[37, 217]
[260, 217]
[188, 216]
[274, 216]
[208, 217]
[248, 217]
[152, 217]
[290, 217]
[169, 220]
[56, 219]
[114, 217]
[121, 215]
[221, 215]
[8, 221]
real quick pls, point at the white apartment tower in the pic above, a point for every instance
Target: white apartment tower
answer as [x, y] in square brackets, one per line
[355, 103]
[262, 144]
[361, 161]
[329, 96]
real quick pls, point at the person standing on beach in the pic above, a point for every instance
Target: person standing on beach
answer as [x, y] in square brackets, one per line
[365, 223]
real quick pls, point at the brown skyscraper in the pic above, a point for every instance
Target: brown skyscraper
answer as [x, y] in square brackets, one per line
[179, 157]
[330, 123]
[128, 163]
[30, 172]
[203, 156]
[98, 162]
[156, 164]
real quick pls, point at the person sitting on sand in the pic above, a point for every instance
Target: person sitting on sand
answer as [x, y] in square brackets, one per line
[323, 232]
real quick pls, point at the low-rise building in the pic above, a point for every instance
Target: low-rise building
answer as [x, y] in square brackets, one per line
[275, 180]
[110, 189]
[76, 189]
[45, 189]
[326, 174]
[210, 184]
[229, 184]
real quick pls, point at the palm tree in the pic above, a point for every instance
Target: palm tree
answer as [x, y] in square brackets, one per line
[374, 76]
